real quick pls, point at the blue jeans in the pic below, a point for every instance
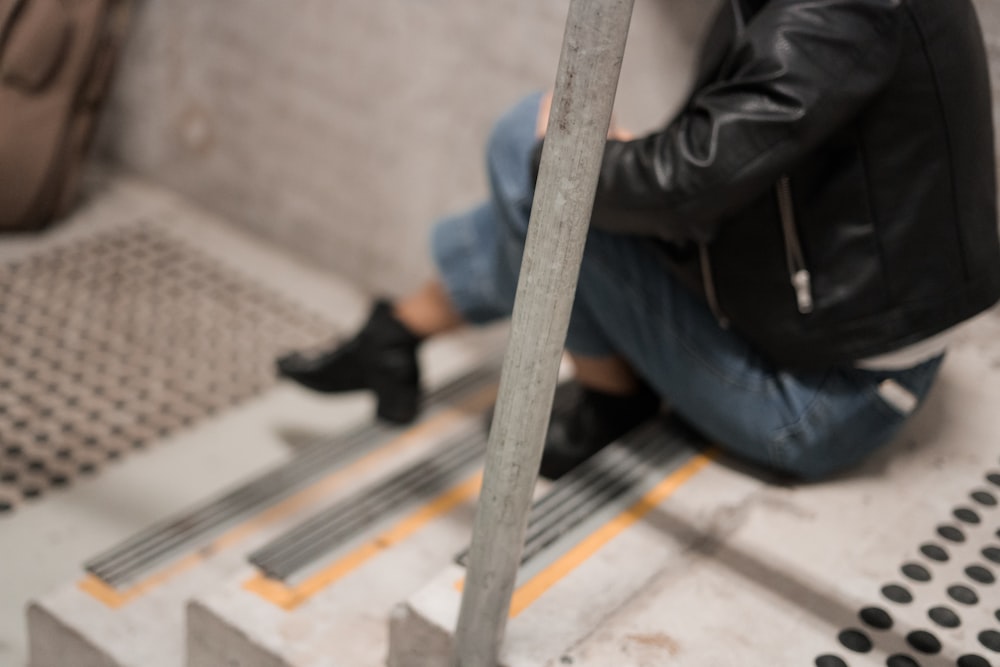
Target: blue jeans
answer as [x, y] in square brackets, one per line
[806, 423]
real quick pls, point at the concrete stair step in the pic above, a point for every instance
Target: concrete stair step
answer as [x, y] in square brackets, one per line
[587, 552]
[127, 609]
[854, 572]
[658, 551]
[321, 593]
[709, 565]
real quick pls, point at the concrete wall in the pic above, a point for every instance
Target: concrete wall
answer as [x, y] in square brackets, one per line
[343, 128]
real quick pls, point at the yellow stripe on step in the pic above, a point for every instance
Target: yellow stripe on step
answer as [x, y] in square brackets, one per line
[533, 589]
[317, 492]
[289, 597]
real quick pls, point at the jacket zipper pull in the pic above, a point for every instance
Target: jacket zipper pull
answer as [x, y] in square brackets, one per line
[802, 282]
[708, 282]
[797, 272]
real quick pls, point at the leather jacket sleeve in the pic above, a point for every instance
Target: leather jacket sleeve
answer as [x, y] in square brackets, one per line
[798, 71]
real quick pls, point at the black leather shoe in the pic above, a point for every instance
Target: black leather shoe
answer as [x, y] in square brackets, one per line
[592, 421]
[382, 357]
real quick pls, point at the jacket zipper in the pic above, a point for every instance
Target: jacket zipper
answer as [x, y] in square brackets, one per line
[708, 281]
[799, 275]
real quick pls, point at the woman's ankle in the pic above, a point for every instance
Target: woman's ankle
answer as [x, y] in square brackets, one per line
[610, 375]
[428, 311]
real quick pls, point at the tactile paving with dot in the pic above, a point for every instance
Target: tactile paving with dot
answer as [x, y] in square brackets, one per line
[942, 607]
[120, 339]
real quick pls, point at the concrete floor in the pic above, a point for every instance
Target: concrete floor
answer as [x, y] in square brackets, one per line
[45, 541]
[721, 568]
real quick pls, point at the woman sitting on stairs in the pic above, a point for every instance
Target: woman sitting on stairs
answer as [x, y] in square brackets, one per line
[784, 262]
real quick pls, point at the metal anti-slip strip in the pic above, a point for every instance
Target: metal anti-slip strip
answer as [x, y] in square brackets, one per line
[152, 546]
[321, 534]
[607, 476]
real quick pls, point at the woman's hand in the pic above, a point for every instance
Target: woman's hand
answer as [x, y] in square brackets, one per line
[544, 109]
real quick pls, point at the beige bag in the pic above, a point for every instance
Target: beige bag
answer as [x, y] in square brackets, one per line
[56, 58]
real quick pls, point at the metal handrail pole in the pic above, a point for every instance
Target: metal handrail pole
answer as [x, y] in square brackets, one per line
[586, 83]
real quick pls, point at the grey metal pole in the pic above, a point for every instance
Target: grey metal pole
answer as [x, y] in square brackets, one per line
[586, 83]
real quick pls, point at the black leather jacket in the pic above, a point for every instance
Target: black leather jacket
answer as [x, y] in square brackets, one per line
[830, 185]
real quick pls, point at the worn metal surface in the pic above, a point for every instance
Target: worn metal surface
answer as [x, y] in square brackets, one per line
[593, 48]
[139, 554]
[331, 527]
[604, 478]
[116, 340]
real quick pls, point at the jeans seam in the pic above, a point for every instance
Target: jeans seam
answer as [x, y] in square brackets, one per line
[806, 412]
[779, 437]
[777, 449]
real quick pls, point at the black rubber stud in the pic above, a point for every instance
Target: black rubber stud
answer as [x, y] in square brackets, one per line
[934, 552]
[990, 639]
[830, 661]
[984, 498]
[876, 617]
[924, 641]
[994, 478]
[966, 515]
[991, 554]
[973, 661]
[897, 594]
[855, 640]
[944, 617]
[916, 572]
[980, 574]
[5, 506]
[951, 533]
[901, 660]
[963, 594]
